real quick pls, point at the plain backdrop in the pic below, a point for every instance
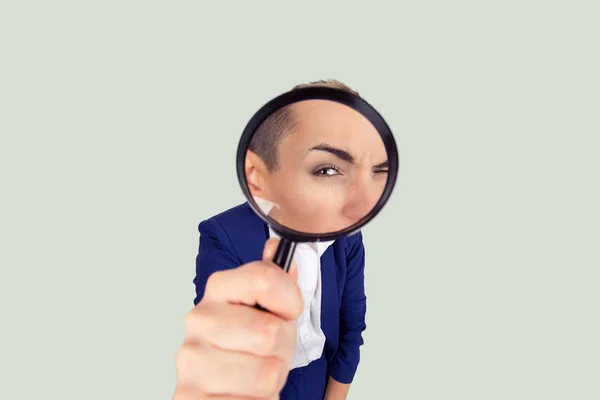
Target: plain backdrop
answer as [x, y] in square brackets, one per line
[119, 122]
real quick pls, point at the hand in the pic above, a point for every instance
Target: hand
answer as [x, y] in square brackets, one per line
[336, 390]
[232, 349]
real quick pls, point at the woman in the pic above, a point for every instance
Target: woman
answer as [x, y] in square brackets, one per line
[317, 167]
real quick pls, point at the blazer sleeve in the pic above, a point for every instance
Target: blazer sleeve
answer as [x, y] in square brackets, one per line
[353, 310]
[215, 253]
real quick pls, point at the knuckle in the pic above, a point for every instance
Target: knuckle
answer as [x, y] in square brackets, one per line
[183, 392]
[194, 321]
[190, 362]
[184, 359]
[200, 322]
[268, 330]
[190, 319]
[270, 376]
[297, 305]
[265, 277]
[213, 280]
[299, 308]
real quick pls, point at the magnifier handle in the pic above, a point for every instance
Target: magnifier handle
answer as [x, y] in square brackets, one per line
[284, 254]
[283, 258]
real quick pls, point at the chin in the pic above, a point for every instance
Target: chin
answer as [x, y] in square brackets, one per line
[323, 229]
[334, 228]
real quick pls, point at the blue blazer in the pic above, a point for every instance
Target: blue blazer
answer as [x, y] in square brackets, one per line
[237, 236]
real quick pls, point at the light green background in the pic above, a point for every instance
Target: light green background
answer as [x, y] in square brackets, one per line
[119, 123]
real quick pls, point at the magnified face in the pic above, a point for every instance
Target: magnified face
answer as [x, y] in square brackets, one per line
[317, 167]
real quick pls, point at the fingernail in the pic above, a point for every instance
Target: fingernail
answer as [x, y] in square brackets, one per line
[270, 246]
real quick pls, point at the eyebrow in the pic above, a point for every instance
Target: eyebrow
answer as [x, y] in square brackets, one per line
[381, 165]
[343, 154]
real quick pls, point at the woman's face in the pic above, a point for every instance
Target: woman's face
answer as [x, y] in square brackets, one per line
[332, 169]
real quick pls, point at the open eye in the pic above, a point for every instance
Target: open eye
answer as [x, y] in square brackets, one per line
[326, 171]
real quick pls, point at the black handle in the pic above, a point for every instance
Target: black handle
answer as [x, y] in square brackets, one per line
[283, 258]
[284, 254]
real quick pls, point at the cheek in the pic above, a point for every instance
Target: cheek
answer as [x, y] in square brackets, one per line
[320, 193]
[318, 203]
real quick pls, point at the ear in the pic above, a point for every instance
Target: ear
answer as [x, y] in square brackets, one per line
[255, 174]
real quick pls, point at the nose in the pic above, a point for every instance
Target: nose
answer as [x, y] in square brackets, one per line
[361, 199]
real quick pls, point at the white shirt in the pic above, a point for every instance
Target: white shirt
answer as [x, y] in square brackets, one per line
[310, 339]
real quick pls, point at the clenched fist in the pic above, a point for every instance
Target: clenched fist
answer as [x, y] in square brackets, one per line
[233, 350]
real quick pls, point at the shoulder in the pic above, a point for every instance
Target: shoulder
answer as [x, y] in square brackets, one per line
[235, 214]
[232, 219]
[238, 228]
[350, 243]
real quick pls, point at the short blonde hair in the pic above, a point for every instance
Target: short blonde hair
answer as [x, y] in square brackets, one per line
[266, 139]
[332, 83]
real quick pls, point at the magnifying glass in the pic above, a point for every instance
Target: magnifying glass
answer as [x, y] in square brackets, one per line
[316, 164]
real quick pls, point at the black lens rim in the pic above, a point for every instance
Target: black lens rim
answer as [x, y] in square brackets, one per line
[319, 93]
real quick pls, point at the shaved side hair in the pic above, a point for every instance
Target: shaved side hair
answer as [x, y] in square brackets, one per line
[268, 136]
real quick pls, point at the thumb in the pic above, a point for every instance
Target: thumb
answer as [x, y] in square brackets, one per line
[293, 271]
[269, 254]
[270, 248]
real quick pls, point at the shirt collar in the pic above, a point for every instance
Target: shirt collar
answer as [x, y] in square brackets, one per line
[266, 206]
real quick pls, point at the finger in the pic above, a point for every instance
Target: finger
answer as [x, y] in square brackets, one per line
[269, 253]
[261, 283]
[293, 271]
[270, 249]
[215, 371]
[235, 327]
[191, 393]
